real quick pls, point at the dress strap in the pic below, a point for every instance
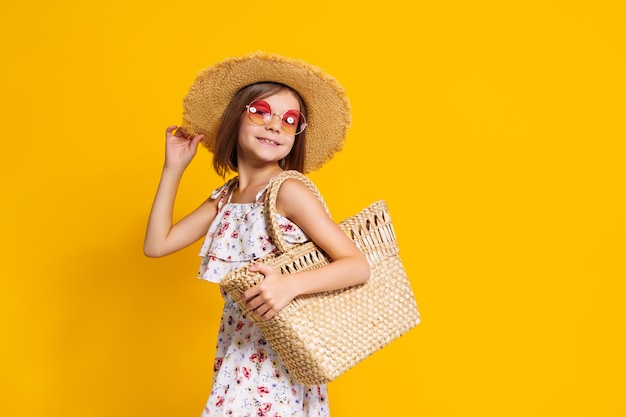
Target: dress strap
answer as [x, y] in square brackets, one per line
[223, 191]
[229, 188]
[260, 196]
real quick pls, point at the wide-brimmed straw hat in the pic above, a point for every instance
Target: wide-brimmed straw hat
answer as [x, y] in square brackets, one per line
[328, 109]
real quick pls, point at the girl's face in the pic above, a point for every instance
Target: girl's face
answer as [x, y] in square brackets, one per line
[261, 144]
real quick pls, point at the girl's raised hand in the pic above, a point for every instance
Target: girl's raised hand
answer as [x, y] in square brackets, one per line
[180, 147]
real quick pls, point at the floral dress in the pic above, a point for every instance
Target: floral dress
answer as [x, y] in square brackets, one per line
[249, 380]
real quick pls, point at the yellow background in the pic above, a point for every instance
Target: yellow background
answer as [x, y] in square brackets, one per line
[494, 129]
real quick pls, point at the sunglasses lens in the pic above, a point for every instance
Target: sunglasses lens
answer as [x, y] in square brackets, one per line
[291, 122]
[257, 111]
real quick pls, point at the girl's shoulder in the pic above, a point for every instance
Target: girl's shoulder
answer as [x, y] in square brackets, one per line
[298, 197]
[295, 186]
[293, 182]
[222, 191]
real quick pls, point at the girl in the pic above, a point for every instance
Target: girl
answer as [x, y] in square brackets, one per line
[259, 115]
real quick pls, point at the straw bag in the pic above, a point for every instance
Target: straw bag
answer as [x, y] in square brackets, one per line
[320, 336]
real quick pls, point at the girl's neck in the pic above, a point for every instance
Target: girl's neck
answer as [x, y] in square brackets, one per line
[251, 181]
[254, 177]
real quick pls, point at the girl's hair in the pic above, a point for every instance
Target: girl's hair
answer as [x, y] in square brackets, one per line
[225, 150]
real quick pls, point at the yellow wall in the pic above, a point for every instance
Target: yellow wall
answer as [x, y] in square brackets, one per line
[495, 130]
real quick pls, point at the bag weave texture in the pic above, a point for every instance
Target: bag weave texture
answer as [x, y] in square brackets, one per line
[320, 336]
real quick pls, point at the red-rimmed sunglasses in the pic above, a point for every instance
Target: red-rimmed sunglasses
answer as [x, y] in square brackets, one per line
[292, 122]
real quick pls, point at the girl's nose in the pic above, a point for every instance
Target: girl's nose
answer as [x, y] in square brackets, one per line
[274, 123]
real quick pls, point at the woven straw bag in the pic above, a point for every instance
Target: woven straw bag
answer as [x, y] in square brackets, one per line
[320, 336]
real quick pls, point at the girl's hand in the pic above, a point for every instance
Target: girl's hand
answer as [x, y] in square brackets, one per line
[180, 147]
[271, 295]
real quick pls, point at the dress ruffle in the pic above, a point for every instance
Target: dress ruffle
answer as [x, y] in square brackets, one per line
[238, 235]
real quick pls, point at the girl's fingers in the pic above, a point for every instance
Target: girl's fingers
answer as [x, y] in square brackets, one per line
[180, 132]
[169, 130]
[264, 269]
[268, 314]
[196, 139]
[252, 303]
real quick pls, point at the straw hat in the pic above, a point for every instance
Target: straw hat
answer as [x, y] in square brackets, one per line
[328, 109]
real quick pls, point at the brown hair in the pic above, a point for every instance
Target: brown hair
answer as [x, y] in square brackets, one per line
[225, 150]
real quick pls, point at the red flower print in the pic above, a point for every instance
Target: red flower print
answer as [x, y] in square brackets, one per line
[235, 234]
[246, 372]
[220, 401]
[222, 229]
[259, 356]
[239, 326]
[262, 411]
[218, 364]
[263, 391]
[288, 227]
[319, 394]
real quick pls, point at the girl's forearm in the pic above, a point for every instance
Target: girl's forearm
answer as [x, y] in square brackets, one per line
[338, 274]
[160, 220]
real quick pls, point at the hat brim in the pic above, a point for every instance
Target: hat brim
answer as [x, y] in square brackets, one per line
[328, 108]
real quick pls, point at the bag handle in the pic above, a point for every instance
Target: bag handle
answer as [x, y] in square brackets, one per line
[270, 204]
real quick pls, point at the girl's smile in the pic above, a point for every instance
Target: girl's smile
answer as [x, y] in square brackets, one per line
[268, 141]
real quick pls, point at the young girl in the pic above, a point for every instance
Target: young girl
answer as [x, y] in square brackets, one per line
[259, 115]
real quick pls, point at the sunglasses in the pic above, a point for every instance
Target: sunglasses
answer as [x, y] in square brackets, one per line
[292, 122]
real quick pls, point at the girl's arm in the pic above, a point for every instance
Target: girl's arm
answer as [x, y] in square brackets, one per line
[162, 236]
[348, 267]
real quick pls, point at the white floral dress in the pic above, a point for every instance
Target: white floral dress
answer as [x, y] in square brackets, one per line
[249, 380]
